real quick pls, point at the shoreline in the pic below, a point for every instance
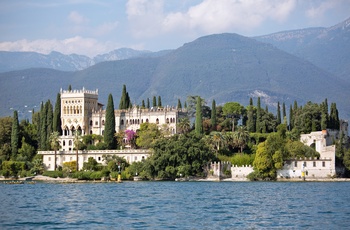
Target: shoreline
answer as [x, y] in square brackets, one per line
[40, 178]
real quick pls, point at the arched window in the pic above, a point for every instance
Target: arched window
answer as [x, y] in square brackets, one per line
[70, 143]
[167, 120]
[66, 131]
[73, 130]
[64, 143]
[138, 121]
[157, 121]
[147, 120]
[90, 122]
[103, 122]
[90, 131]
[141, 121]
[96, 123]
[121, 122]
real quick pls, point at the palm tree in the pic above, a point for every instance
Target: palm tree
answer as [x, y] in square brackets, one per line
[218, 140]
[241, 137]
[77, 143]
[55, 144]
[184, 125]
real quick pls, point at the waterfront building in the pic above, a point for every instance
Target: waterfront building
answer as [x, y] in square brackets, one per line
[81, 112]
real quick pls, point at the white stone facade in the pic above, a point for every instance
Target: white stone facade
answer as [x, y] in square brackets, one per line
[130, 155]
[80, 111]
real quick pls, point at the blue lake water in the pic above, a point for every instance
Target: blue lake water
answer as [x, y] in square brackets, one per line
[177, 205]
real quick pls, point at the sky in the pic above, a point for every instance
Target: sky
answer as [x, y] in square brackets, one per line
[92, 27]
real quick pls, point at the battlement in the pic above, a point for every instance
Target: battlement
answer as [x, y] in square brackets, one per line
[82, 91]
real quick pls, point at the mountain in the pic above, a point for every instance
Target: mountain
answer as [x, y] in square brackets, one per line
[11, 61]
[224, 67]
[327, 48]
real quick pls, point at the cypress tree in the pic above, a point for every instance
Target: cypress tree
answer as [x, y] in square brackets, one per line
[159, 101]
[69, 88]
[279, 120]
[128, 103]
[179, 106]
[258, 127]
[199, 121]
[109, 132]
[123, 99]
[15, 135]
[49, 123]
[213, 115]
[143, 104]
[38, 131]
[154, 101]
[43, 129]
[284, 113]
[291, 118]
[57, 116]
[185, 105]
[250, 120]
[148, 104]
[334, 117]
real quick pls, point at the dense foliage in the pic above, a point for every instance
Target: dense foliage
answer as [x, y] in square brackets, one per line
[249, 135]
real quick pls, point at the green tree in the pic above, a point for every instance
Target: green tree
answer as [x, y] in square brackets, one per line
[233, 110]
[213, 119]
[15, 135]
[179, 105]
[109, 132]
[77, 144]
[241, 137]
[258, 125]
[199, 118]
[57, 126]
[179, 155]
[143, 104]
[26, 152]
[183, 126]
[55, 145]
[154, 101]
[90, 165]
[159, 102]
[49, 124]
[148, 104]
[123, 99]
[147, 135]
[5, 138]
[250, 115]
[279, 120]
[215, 141]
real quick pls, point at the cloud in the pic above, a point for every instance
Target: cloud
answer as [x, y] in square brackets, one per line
[209, 16]
[77, 18]
[317, 11]
[78, 45]
[105, 28]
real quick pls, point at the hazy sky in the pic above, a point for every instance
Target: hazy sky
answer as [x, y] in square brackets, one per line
[92, 27]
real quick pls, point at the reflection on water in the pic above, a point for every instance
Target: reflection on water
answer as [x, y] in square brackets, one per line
[182, 205]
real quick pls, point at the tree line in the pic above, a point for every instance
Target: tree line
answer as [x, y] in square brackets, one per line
[231, 132]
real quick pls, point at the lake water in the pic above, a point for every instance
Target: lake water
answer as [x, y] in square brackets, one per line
[176, 205]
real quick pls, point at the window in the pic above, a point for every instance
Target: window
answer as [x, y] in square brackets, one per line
[295, 164]
[314, 164]
[49, 158]
[64, 143]
[135, 158]
[96, 122]
[121, 122]
[103, 122]
[70, 143]
[99, 158]
[157, 121]
[323, 164]
[304, 164]
[90, 122]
